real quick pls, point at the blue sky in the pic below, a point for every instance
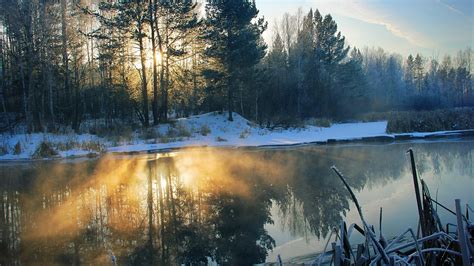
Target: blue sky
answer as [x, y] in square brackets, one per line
[430, 27]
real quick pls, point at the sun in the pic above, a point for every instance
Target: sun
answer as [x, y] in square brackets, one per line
[148, 60]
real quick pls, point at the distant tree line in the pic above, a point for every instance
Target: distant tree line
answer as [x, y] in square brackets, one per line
[311, 72]
[65, 62]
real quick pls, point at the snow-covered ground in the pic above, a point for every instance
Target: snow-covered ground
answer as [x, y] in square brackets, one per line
[210, 129]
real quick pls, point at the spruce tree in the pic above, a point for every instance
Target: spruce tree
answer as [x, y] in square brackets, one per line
[418, 72]
[329, 50]
[274, 93]
[409, 73]
[330, 44]
[234, 42]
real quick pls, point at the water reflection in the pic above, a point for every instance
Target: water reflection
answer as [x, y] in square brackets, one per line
[198, 205]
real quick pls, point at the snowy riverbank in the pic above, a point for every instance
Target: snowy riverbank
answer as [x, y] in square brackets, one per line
[203, 130]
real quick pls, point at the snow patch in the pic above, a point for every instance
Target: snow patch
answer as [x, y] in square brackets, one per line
[211, 129]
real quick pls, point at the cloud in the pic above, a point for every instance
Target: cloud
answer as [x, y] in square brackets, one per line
[455, 10]
[368, 14]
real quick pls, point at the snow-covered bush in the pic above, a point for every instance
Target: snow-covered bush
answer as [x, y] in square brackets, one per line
[178, 130]
[205, 130]
[44, 150]
[245, 133]
[320, 122]
[93, 146]
[17, 149]
[116, 133]
[183, 130]
[149, 133]
[429, 121]
[219, 139]
[4, 148]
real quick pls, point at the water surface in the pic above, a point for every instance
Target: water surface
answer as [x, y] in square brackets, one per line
[234, 206]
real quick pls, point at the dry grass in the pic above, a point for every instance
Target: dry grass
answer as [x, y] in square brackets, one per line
[44, 150]
[429, 121]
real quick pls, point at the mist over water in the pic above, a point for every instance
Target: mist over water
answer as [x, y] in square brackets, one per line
[229, 205]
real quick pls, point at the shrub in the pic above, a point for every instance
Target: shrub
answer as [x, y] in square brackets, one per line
[44, 150]
[172, 132]
[219, 139]
[320, 122]
[244, 134]
[4, 146]
[178, 130]
[68, 145]
[115, 133]
[374, 116]
[284, 122]
[204, 130]
[149, 133]
[164, 139]
[93, 146]
[17, 149]
[429, 121]
[183, 131]
[3, 149]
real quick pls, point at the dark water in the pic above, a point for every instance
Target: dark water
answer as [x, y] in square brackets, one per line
[233, 206]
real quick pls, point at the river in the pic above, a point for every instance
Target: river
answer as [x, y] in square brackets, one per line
[236, 206]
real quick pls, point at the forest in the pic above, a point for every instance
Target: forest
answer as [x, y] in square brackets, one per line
[66, 62]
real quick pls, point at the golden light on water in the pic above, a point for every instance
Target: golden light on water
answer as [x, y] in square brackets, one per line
[163, 182]
[165, 155]
[117, 204]
[115, 192]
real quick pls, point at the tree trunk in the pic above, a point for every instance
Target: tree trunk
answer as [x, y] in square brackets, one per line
[164, 78]
[167, 82]
[231, 81]
[146, 122]
[3, 78]
[76, 122]
[163, 117]
[242, 102]
[230, 98]
[47, 76]
[64, 38]
[256, 105]
[23, 89]
[152, 17]
[31, 96]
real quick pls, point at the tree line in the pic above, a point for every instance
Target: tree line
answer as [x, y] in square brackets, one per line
[313, 72]
[66, 62]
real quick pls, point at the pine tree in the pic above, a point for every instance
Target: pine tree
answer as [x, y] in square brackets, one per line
[234, 42]
[409, 73]
[418, 72]
[274, 93]
[307, 72]
[330, 44]
[393, 81]
[330, 49]
[350, 87]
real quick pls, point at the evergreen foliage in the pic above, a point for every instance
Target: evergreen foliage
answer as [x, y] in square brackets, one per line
[234, 45]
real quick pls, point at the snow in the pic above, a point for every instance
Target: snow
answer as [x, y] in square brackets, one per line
[29, 143]
[222, 133]
[241, 133]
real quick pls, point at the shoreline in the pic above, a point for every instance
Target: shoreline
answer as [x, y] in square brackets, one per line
[383, 139]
